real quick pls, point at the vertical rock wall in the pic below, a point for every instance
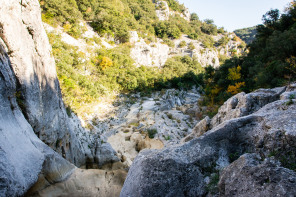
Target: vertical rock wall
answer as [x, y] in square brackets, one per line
[37, 86]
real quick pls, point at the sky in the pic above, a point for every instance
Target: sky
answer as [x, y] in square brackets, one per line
[234, 14]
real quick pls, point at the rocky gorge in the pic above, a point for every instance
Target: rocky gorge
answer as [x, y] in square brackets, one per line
[147, 145]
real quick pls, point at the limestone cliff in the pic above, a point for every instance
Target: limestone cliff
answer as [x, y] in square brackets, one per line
[24, 157]
[33, 120]
[156, 53]
[25, 40]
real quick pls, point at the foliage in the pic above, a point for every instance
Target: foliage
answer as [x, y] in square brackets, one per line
[191, 46]
[223, 41]
[234, 73]
[182, 44]
[175, 5]
[151, 133]
[208, 27]
[63, 13]
[270, 62]
[247, 34]
[234, 89]
[113, 70]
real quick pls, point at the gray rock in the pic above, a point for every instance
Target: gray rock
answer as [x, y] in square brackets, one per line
[154, 174]
[105, 154]
[23, 157]
[273, 127]
[244, 104]
[37, 84]
[199, 129]
[250, 176]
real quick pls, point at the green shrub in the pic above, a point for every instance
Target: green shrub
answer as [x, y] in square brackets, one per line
[182, 44]
[151, 133]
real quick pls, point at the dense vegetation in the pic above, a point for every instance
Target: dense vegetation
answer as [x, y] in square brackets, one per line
[247, 34]
[271, 60]
[83, 80]
[116, 18]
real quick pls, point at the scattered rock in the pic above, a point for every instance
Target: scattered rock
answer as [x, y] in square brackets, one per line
[270, 130]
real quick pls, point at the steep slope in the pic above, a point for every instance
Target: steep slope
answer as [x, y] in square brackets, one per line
[246, 34]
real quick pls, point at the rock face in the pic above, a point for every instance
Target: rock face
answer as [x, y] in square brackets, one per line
[250, 176]
[270, 131]
[154, 54]
[37, 85]
[33, 119]
[24, 157]
[162, 10]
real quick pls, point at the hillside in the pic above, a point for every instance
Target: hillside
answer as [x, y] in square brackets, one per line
[130, 46]
[247, 34]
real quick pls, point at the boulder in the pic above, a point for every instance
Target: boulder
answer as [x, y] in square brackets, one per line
[250, 176]
[199, 129]
[269, 131]
[105, 154]
[244, 104]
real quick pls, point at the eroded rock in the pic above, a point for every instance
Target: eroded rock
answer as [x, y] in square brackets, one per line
[250, 176]
[217, 148]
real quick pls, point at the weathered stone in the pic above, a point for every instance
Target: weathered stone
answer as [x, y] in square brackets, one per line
[37, 84]
[105, 154]
[244, 104]
[155, 174]
[199, 129]
[217, 148]
[250, 176]
[88, 183]
[22, 155]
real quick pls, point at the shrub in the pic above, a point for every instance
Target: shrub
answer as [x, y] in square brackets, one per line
[151, 133]
[182, 44]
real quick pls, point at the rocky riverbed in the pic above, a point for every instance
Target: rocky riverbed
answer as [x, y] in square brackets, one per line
[137, 121]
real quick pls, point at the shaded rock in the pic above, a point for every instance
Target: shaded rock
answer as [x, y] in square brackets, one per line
[23, 157]
[37, 84]
[250, 176]
[199, 129]
[156, 175]
[105, 154]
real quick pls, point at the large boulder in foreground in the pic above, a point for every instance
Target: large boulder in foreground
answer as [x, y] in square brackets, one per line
[250, 176]
[271, 130]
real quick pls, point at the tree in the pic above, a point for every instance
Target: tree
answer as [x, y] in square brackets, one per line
[194, 17]
[234, 73]
[271, 17]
